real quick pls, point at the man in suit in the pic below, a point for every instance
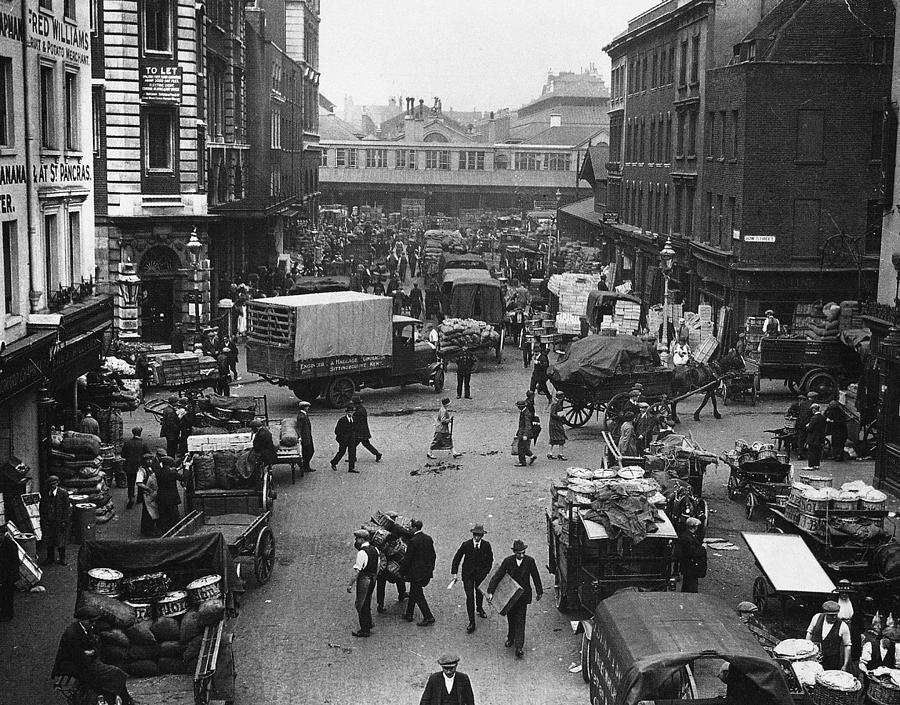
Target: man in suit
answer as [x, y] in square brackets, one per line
[465, 363]
[477, 557]
[304, 430]
[89, 424]
[523, 570]
[345, 435]
[56, 519]
[169, 426]
[815, 436]
[132, 451]
[418, 568]
[361, 421]
[264, 450]
[449, 686]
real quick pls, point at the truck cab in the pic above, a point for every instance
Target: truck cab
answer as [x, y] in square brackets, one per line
[410, 357]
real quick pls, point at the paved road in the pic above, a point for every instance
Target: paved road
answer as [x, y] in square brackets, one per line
[294, 644]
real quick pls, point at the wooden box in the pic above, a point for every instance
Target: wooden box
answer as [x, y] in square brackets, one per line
[505, 596]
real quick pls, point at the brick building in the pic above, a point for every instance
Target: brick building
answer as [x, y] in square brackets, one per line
[747, 132]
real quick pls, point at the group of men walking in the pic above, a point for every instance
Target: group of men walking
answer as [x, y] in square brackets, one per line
[352, 430]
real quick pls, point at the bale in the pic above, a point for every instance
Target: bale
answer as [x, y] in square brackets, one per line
[166, 629]
[192, 649]
[115, 637]
[204, 472]
[113, 655]
[211, 611]
[224, 462]
[142, 652]
[190, 627]
[170, 665]
[289, 436]
[116, 613]
[142, 669]
[171, 649]
[140, 633]
[80, 443]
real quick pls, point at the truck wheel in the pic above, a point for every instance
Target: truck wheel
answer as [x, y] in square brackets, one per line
[438, 381]
[307, 391]
[585, 657]
[340, 392]
[559, 594]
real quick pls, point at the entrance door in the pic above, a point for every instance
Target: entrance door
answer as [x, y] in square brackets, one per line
[157, 309]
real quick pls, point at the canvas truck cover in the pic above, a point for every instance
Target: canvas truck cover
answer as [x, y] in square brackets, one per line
[476, 295]
[337, 323]
[591, 361]
[641, 638]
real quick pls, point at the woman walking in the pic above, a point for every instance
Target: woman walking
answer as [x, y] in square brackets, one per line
[443, 430]
[558, 436]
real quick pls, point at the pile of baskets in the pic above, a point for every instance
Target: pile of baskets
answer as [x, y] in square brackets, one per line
[389, 532]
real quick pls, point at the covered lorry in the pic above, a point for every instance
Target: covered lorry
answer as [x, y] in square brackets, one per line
[335, 343]
[472, 302]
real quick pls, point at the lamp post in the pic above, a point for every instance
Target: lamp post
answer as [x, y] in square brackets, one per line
[194, 246]
[666, 260]
[128, 284]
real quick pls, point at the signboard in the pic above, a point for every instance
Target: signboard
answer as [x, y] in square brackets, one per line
[759, 238]
[161, 83]
[735, 234]
[610, 217]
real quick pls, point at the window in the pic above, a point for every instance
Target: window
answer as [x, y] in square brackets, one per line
[644, 72]
[48, 107]
[201, 159]
[46, 5]
[237, 87]
[660, 128]
[679, 150]
[710, 216]
[437, 159]
[668, 157]
[720, 222]
[639, 221]
[810, 134]
[158, 26]
[665, 210]
[275, 128]
[656, 225]
[10, 266]
[352, 159]
[95, 16]
[6, 112]
[708, 129]
[642, 153]
[70, 106]
[722, 134]
[690, 195]
[663, 71]
[873, 227]
[406, 159]
[527, 161]
[323, 158]
[376, 158]
[654, 73]
[471, 161]
[882, 51]
[69, 9]
[679, 194]
[682, 70]
[734, 134]
[672, 64]
[74, 253]
[216, 100]
[96, 116]
[695, 59]
[159, 141]
[558, 161]
[732, 222]
[877, 135]
[501, 162]
[652, 138]
[692, 135]
[51, 253]
[806, 228]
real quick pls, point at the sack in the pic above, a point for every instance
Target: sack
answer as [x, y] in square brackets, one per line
[171, 649]
[211, 611]
[143, 652]
[166, 629]
[190, 627]
[204, 472]
[224, 462]
[142, 669]
[289, 436]
[118, 614]
[113, 655]
[80, 444]
[192, 650]
[140, 633]
[115, 637]
[170, 665]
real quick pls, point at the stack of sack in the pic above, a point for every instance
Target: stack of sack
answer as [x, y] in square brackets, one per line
[151, 640]
[456, 332]
[222, 469]
[828, 327]
[75, 459]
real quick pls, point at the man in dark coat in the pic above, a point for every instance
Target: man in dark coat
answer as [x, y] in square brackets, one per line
[803, 413]
[9, 574]
[132, 451]
[223, 365]
[477, 557]
[415, 301]
[263, 446]
[449, 687]
[77, 656]
[539, 375]
[361, 422]
[167, 496]
[691, 556]
[523, 434]
[89, 424]
[523, 570]
[345, 435]
[837, 421]
[465, 363]
[169, 426]
[417, 567]
[177, 339]
[304, 431]
[815, 436]
[56, 519]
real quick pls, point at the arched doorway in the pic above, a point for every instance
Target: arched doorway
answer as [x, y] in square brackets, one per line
[158, 271]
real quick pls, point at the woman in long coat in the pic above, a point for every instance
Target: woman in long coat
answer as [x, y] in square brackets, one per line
[558, 435]
[147, 483]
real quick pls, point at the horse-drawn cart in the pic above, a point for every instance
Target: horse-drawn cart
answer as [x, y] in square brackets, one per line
[819, 366]
[759, 474]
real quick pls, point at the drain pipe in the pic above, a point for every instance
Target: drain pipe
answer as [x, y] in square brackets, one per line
[34, 296]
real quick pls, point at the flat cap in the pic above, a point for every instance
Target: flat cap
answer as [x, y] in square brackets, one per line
[53, 478]
[692, 521]
[747, 607]
[361, 534]
[831, 606]
[304, 404]
[448, 659]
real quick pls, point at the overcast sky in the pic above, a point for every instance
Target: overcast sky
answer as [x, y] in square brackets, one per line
[482, 54]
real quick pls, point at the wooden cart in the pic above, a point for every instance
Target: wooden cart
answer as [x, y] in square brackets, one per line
[808, 365]
[762, 483]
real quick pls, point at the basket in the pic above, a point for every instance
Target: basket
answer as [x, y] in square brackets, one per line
[792, 513]
[845, 505]
[826, 695]
[883, 692]
[813, 524]
[815, 481]
[811, 506]
[205, 588]
[870, 505]
[382, 519]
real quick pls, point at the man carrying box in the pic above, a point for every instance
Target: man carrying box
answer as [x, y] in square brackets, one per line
[522, 569]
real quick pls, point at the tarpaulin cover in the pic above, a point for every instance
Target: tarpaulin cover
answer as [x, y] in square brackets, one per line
[478, 297]
[648, 636]
[448, 261]
[229, 403]
[182, 559]
[592, 360]
[338, 323]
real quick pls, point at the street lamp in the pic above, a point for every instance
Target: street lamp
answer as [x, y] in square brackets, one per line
[666, 260]
[194, 246]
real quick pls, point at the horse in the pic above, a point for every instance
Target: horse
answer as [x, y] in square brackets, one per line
[695, 376]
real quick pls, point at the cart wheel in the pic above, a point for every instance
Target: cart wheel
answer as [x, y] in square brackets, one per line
[574, 413]
[824, 385]
[439, 381]
[751, 504]
[340, 392]
[725, 391]
[792, 385]
[585, 657]
[660, 408]
[559, 595]
[613, 410]
[761, 594]
[264, 556]
[732, 488]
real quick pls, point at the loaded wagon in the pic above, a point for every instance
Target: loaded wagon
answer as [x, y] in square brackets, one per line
[820, 366]
[475, 296]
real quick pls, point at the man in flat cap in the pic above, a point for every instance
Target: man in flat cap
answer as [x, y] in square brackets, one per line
[523, 570]
[690, 553]
[448, 686]
[169, 426]
[56, 519]
[304, 431]
[132, 451]
[477, 557]
[832, 636]
[816, 429]
[365, 570]
[345, 435]
[524, 434]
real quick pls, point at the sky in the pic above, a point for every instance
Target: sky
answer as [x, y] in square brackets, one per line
[474, 54]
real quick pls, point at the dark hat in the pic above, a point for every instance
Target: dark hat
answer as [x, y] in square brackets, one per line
[448, 659]
[747, 607]
[445, 401]
[350, 408]
[256, 423]
[361, 534]
[529, 394]
[812, 395]
[638, 386]
[168, 461]
[478, 529]
[147, 454]
[137, 431]
[521, 403]
[844, 586]
[519, 545]
[357, 399]
[831, 607]
[634, 393]
[53, 478]
[770, 312]
[304, 404]
[416, 523]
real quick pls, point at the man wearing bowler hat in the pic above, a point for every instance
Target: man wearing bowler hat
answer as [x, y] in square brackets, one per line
[477, 558]
[345, 435]
[523, 570]
[449, 686]
[832, 636]
[304, 431]
[56, 519]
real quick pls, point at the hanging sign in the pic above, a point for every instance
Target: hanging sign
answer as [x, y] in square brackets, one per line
[161, 83]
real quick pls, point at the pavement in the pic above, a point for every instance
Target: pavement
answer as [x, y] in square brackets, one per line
[293, 643]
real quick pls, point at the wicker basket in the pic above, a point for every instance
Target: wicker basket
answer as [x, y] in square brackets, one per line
[813, 524]
[810, 506]
[816, 481]
[792, 513]
[872, 506]
[824, 695]
[883, 692]
[845, 505]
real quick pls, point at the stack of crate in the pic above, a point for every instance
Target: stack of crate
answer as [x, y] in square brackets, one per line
[627, 316]
[219, 441]
[704, 312]
[753, 329]
[177, 368]
[851, 315]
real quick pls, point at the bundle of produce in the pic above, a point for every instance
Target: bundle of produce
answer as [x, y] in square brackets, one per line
[288, 437]
[456, 332]
[118, 366]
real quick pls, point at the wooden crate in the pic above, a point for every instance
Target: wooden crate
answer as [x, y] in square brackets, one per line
[505, 596]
